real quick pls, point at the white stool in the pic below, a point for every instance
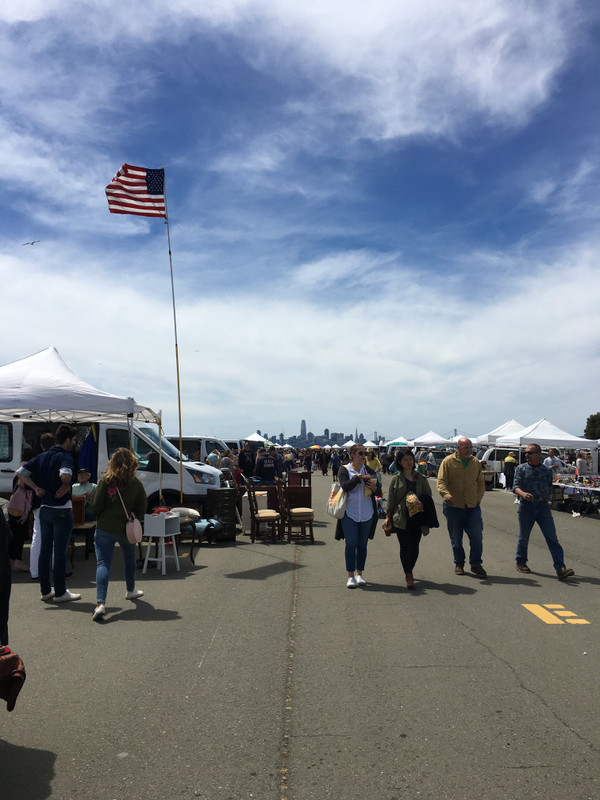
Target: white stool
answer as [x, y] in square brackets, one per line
[164, 528]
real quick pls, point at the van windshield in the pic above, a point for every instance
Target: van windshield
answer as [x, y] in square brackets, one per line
[165, 444]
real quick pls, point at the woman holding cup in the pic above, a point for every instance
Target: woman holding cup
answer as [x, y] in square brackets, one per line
[358, 524]
[403, 511]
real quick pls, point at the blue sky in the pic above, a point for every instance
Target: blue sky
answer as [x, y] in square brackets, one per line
[383, 216]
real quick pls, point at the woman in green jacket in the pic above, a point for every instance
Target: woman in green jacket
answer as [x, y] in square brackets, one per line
[106, 506]
[407, 481]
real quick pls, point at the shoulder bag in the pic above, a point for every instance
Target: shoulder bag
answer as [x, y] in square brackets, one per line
[133, 527]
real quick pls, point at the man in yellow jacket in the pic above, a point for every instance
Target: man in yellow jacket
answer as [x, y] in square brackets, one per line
[462, 486]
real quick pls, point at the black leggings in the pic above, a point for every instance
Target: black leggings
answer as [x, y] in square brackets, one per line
[409, 547]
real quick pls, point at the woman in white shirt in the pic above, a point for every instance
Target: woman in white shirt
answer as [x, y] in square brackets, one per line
[358, 524]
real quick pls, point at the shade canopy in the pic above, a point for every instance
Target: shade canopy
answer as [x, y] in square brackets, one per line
[506, 429]
[43, 388]
[349, 443]
[254, 437]
[399, 441]
[370, 444]
[429, 439]
[545, 434]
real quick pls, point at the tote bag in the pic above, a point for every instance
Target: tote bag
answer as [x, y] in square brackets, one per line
[336, 505]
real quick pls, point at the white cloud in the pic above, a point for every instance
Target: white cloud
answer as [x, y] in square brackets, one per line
[420, 358]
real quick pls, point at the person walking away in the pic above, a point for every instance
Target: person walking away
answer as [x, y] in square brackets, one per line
[533, 484]
[324, 459]
[335, 464]
[49, 474]
[462, 486]
[246, 461]
[404, 520]
[510, 465]
[46, 442]
[358, 524]
[266, 468]
[119, 479]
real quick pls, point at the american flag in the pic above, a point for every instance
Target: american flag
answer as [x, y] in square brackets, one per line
[137, 190]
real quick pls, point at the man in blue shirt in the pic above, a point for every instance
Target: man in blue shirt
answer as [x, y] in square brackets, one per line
[533, 484]
[49, 474]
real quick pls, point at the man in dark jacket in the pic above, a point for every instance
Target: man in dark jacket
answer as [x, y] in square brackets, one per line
[49, 474]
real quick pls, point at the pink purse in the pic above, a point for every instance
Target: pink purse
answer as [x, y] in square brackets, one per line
[133, 527]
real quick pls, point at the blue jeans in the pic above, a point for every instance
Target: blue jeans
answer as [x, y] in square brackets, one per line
[469, 521]
[105, 545]
[529, 513]
[356, 536]
[56, 525]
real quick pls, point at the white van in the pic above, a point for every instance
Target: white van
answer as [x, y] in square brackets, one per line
[196, 448]
[98, 441]
[492, 460]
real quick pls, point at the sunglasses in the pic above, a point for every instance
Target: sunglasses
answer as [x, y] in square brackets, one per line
[360, 453]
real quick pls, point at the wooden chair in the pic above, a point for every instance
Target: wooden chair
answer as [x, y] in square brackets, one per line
[81, 526]
[263, 516]
[296, 478]
[299, 516]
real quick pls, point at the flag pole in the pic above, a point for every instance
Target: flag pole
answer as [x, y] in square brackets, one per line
[176, 345]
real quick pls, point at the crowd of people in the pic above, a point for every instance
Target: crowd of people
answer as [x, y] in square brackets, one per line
[410, 512]
[41, 507]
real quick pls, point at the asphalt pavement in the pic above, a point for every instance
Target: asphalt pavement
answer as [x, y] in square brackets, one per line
[257, 674]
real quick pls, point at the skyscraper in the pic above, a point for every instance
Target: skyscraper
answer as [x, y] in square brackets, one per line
[303, 430]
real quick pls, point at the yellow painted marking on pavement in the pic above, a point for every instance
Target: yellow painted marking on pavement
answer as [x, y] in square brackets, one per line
[554, 618]
[544, 615]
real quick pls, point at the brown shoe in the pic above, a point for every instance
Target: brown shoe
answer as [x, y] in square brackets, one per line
[410, 581]
[563, 573]
[459, 569]
[522, 568]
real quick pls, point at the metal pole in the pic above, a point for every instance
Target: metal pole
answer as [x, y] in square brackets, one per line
[176, 348]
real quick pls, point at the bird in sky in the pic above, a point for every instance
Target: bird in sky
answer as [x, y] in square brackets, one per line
[34, 242]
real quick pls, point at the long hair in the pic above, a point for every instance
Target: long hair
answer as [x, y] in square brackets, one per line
[121, 468]
[400, 455]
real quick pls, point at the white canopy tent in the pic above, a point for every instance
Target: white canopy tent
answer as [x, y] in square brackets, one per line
[545, 434]
[254, 437]
[349, 443]
[399, 441]
[507, 429]
[430, 439]
[370, 444]
[42, 388]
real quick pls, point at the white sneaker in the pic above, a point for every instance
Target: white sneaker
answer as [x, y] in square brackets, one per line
[360, 581]
[134, 594]
[67, 597]
[351, 584]
[48, 596]
[99, 611]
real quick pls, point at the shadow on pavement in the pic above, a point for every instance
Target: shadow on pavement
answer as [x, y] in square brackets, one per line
[25, 772]
[262, 573]
[420, 588]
